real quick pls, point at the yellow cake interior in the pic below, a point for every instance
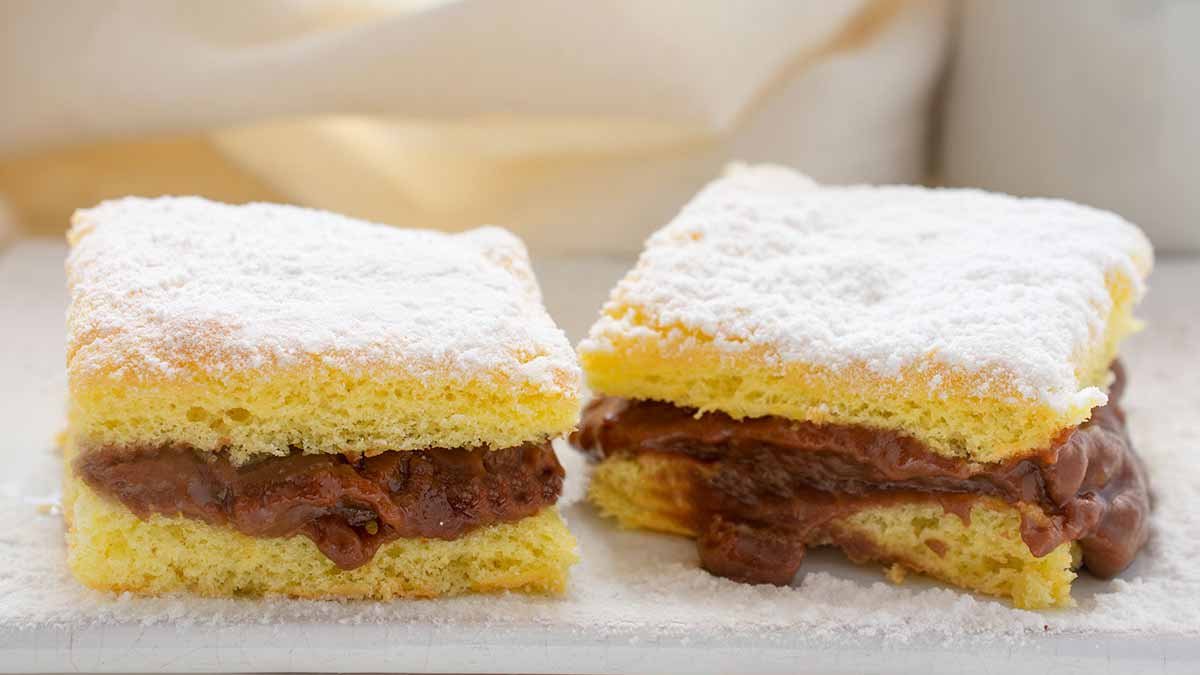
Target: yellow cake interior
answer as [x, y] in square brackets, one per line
[110, 548]
[262, 328]
[253, 331]
[316, 408]
[987, 555]
[945, 408]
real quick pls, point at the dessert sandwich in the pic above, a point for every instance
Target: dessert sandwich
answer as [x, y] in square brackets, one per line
[273, 400]
[922, 377]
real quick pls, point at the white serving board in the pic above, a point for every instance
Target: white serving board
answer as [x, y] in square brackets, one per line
[638, 602]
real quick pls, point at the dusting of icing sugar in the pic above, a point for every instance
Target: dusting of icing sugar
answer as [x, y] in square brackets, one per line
[886, 276]
[629, 586]
[156, 282]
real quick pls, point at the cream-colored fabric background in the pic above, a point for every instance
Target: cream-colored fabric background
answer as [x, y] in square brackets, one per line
[581, 125]
[584, 125]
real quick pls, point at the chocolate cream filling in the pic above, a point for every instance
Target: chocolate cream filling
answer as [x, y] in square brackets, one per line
[765, 487]
[347, 507]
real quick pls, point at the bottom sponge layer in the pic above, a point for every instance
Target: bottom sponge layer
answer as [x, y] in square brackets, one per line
[110, 548]
[983, 553]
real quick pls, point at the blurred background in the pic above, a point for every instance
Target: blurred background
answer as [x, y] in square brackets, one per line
[583, 126]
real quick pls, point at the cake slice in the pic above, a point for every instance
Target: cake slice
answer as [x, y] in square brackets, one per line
[270, 399]
[923, 377]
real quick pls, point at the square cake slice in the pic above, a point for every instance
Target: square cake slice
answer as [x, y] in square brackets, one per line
[920, 376]
[270, 399]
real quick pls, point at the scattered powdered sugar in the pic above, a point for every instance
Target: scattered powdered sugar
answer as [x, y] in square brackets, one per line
[160, 282]
[886, 275]
[637, 587]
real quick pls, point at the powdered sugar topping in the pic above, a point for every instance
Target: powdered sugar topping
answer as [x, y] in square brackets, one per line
[631, 588]
[886, 276]
[158, 281]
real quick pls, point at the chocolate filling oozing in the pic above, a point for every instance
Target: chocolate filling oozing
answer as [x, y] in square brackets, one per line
[347, 508]
[764, 487]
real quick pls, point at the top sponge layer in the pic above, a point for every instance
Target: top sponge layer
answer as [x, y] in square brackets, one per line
[981, 323]
[262, 327]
